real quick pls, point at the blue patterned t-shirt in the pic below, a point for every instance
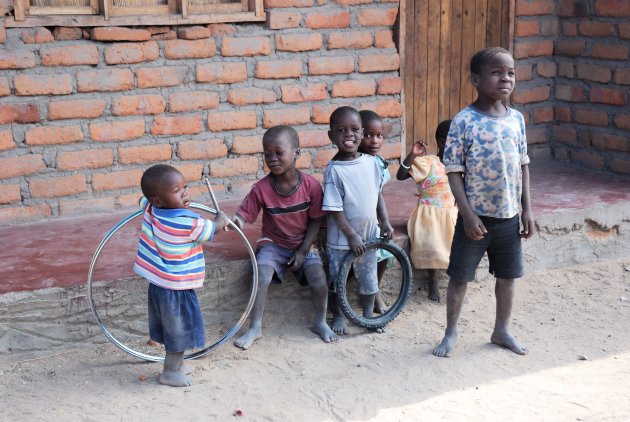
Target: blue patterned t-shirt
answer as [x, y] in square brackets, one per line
[490, 152]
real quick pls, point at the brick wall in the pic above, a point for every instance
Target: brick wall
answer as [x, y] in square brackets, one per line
[573, 73]
[84, 112]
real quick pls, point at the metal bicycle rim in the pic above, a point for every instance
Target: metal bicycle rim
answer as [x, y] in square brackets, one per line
[200, 353]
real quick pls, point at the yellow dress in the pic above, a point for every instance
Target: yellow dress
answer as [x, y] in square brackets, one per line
[432, 224]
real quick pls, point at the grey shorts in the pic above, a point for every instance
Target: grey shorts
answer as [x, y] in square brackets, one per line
[502, 243]
[364, 268]
[276, 257]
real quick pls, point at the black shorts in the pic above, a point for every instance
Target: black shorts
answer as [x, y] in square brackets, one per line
[502, 242]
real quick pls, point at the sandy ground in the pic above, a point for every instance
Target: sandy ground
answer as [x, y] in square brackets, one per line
[575, 322]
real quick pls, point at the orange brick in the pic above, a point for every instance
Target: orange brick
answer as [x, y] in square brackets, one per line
[282, 20]
[125, 105]
[170, 35]
[53, 135]
[124, 53]
[384, 108]
[331, 19]
[531, 95]
[330, 65]
[286, 116]
[377, 17]
[526, 28]
[201, 150]
[323, 157]
[610, 51]
[278, 69]
[246, 46]
[191, 172]
[384, 39]
[5, 89]
[572, 48]
[605, 140]
[608, 96]
[570, 93]
[189, 49]
[299, 42]
[591, 159]
[565, 69]
[16, 59]
[562, 114]
[117, 33]
[591, 117]
[304, 160]
[354, 88]
[569, 29]
[144, 154]
[64, 33]
[6, 140]
[76, 109]
[192, 101]
[52, 187]
[622, 76]
[36, 36]
[351, 39]
[313, 138]
[543, 114]
[90, 158]
[177, 125]
[152, 77]
[622, 121]
[594, 72]
[353, 2]
[596, 29]
[389, 85]
[221, 29]
[534, 7]
[524, 49]
[321, 113]
[43, 84]
[15, 215]
[10, 194]
[390, 151]
[3, 29]
[379, 63]
[270, 4]
[231, 120]
[624, 30]
[120, 130]
[250, 95]
[19, 113]
[70, 55]
[222, 73]
[104, 80]
[546, 69]
[116, 180]
[83, 206]
[193, 32]
[130, 200]
[300, 93]
[234, 167]
[565, 135]
[614, 8]
[246, 145]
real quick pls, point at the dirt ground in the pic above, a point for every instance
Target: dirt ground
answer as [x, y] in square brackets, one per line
[574, 321]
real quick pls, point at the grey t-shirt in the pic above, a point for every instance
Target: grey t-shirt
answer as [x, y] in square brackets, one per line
[352, 187]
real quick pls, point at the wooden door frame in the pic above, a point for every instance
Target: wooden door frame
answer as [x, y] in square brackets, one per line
[507, 39]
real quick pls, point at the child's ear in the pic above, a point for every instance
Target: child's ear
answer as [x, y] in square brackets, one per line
[474, 79]
[155, 202]
[330, 136]
[297, 153]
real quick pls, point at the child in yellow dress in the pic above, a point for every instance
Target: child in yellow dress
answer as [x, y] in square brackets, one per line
[432, 223]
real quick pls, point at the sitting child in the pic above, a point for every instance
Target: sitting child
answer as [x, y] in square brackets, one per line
[170, 257]
[352, 195]
[371, 144]
[291, 203]
[432, 223]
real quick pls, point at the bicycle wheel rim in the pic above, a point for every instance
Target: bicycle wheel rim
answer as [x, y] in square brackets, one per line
[395, 309]
[155, 358]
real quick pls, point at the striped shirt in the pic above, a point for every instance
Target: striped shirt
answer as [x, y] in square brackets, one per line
[170, 254]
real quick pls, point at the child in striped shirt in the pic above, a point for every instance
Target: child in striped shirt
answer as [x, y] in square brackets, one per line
[170, 257]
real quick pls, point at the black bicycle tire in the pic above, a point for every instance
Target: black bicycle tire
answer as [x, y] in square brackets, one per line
[405, 288]
[154, 358]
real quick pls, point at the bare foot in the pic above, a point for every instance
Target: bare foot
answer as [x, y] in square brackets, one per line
[379, 304]
[248, 338]
[175, 379]
[324, 332]
[339, 325]
[186, 368]
[434, 295]
[379, 330]
[508, 341]
[446, 346]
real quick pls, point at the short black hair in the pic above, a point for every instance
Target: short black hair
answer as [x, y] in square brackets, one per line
[368, 116]
[442, 130]
[341, 111]
[481, 57]
[152, 177]
[283, 130]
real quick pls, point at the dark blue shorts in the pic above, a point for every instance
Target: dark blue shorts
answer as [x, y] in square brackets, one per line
[502, 243]
[175, 319]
